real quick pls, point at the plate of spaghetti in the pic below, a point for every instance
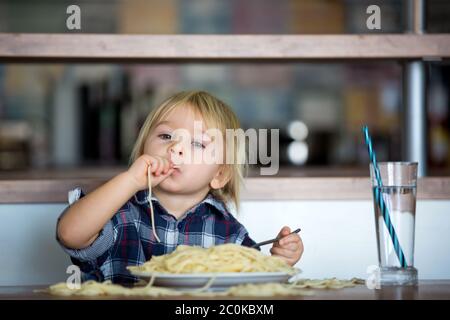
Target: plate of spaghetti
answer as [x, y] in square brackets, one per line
[216, 267]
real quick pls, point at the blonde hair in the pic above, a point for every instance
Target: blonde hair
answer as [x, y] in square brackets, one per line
[216, 114]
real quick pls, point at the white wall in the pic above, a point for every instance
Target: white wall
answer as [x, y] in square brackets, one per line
[339, 238]
[29, 253]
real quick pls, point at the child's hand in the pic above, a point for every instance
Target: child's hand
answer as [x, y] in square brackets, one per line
[161, 168]
[289, 248]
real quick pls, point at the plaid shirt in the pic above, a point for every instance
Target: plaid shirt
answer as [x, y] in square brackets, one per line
[127, 239]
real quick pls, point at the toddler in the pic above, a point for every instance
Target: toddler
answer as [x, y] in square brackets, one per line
[112, 227]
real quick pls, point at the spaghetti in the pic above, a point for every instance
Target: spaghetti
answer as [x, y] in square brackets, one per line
[331, 283]
[216, 259]
[152, 215]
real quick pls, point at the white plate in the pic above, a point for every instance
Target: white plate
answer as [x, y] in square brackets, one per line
[221, 280]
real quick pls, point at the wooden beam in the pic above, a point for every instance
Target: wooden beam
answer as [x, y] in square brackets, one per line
[140, 48]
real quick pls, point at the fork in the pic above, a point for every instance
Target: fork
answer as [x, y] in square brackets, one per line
[259, 244]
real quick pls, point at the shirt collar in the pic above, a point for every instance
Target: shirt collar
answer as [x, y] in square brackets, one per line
[141, 197]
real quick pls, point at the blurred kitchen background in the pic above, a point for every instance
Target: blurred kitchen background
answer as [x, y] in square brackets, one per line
[58, 117]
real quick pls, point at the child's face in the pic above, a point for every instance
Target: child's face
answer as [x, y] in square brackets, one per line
[189, 150]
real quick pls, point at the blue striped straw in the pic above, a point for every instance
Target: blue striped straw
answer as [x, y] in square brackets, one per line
[380, 201]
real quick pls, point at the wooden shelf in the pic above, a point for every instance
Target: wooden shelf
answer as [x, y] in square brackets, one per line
[80, 47]
[261, 188]
[332, 183]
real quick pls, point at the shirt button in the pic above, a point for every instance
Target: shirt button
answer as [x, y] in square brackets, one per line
[180, 226]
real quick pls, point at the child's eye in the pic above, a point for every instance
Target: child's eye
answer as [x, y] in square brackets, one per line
[165, 136]
[198, 144]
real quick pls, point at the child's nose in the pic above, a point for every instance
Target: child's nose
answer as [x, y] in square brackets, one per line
[176, 148]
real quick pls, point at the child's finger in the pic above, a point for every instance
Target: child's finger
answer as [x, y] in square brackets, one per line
[168, 166]
[165, 167]
[292, 238]
[153, 164]
[292, 246]
[160, 166]
[284, 231]
[288, 239]
[281, 252]
[168, 173]
[148, 160]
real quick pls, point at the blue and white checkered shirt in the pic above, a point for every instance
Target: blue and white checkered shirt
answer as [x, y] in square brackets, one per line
[127, 239]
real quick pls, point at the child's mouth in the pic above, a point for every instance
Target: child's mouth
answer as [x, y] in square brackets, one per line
[175, 166]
